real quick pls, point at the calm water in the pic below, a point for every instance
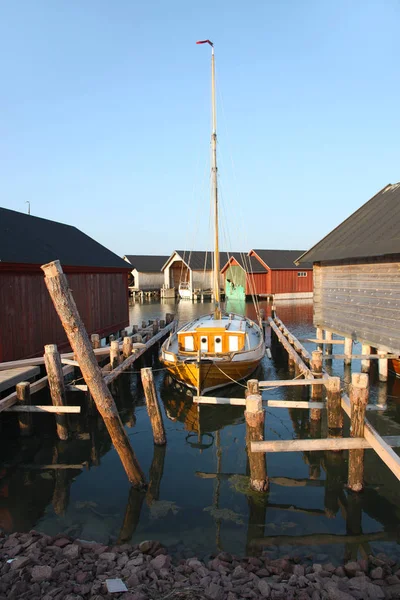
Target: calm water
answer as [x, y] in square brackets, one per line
[198, 499]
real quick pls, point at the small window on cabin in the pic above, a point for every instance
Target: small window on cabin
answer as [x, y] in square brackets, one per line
[233, 343]
[189, 344]
[301, 273]
[204, 343]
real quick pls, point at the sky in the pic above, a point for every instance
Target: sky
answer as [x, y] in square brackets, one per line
[105, 117]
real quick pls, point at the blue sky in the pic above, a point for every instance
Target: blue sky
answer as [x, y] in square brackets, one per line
[105, 117]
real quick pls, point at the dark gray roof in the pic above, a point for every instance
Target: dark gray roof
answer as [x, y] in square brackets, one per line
[147, 263]
[281, 259]
[249, 264]
[199, 260]
[373, 230]
[31, 240]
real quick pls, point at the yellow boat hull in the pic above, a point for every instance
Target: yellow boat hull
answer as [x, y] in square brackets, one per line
[207, 376]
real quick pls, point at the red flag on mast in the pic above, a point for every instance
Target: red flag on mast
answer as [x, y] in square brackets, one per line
[205, 42]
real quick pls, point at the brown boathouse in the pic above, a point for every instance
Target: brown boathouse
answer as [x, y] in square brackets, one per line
[97, 276]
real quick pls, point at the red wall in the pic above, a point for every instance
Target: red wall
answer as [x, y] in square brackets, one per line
[287, 281]
[28, 319]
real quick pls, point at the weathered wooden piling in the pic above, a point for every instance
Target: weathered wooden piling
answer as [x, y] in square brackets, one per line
[365, 363]
[23, 390]
[316, 391]
[335, 415]
[114, 354]
[169, 317]
[348, 350]
[255, 417]
[52, 361]
[95, 339]
[127, 346]
[65, 306]
[319, 336]
[382, 366]
[328, 347]
[153, 407]
[358, 402]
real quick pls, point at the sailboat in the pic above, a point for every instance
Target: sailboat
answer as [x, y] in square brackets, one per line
[217, 349]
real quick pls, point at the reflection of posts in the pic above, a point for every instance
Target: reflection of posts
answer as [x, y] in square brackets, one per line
[61, 485]
[333, 464]
[132, 515]
[155, 475]
[353, 525]
[316, 390]
[255, 416]
[334, 407]
[153, 407]
[256, 521]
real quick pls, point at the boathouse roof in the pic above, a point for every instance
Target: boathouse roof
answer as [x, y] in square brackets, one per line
[199, 260]
[249, 264]
[373, 230]
[281, 259]
[26, 239]
[147, 263]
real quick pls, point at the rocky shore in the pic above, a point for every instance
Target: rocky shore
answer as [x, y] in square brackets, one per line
[36, 566]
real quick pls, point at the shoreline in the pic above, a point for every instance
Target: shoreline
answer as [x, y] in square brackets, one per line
[38, 566]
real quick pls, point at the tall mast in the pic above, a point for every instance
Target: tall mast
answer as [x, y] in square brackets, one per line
[214, 173]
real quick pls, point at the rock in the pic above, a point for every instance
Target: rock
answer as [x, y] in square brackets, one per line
[298, 570]
[108, 556]
[193, 563]
[71, 552]
[264, 588]
[61, 542]
[135, 562]
[376, 573]
[41, 573]
[225, 556]
[239, 572]
[11, 542]
[334, 593]
[393, 591]
[214, 591]
[351, 568]
[146, 546]
[205, 581]
[20, 563]
[81, 577]
[160, 562]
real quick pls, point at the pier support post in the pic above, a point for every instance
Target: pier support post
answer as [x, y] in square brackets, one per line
[358, 401]
[348, 350]
[252, 387]
[365, 363]
[335, 415]
[316, 391]
[383, 366]
[169, 317]
[114, 354]
[319, 336]
[65, 306]
[127, 346]
[328, 337]
[55, 375]
[95, 339]
[23, 390]
[153, 407]
[255, 417]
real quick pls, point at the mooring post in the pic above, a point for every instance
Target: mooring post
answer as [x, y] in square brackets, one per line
[255, 417]
[114, 354]
[365, 363]
[153, 407]
[23, 390]
[358, 402]
[95, 339]
[134, 329]
[144, 324]
[328, 337]
[127, 346]
[252, 387]
[382, 366]
[65, 306]
[273, 311]
[169, 317]
[319, 336]
[316, 390]
[348, 350]
[162, 323]
[55, 375]
[334, 407]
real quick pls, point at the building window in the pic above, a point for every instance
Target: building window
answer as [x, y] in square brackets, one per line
[302, 274]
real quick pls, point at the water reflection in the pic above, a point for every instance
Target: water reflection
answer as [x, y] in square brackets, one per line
[199, 498]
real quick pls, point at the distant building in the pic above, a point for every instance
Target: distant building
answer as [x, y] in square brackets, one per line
[192, 267]
[241, 274]
[98, 279]
[357, 274]
[272, 273]
[146, 274]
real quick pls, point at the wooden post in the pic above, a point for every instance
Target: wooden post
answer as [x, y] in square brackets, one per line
[365, 363]
[144, 324]
[255, 417]
[111, 338]
[55, 376]
[358, 401]
[114, 354]
[134, 329]
[23, 390]
[65, 306]
[153, 407]
[155, 327]
[95, 339]
[252, 387]
[273, 311]
[123, 333]
[348, 350]
[319, 336]
[162, 323]
[127, 346]
[328, 347]
[382, 366]
[335, 415]
[316, 391]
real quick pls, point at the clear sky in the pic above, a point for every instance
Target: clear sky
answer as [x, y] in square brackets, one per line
[105, 116]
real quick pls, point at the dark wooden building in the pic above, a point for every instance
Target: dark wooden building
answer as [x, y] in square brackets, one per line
[98, 279]
[282, 278]
[357, 274]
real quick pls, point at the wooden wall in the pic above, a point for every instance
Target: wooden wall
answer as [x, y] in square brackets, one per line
[287, 281]
[360, 300]
[28, 319]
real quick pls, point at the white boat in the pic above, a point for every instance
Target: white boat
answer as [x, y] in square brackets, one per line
[184, 291]
[216, 349]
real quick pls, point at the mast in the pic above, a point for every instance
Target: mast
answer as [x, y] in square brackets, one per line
[214, 177]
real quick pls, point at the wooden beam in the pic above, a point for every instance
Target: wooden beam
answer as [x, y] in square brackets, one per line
[358, 356]
[290, 382]
[322, 342]
[291, 351]
[296, 342]
[321, 444]
[44, 408]
[271, 403]
[381, 445]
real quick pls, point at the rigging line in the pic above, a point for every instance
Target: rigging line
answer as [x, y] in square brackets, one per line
[228, 377]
